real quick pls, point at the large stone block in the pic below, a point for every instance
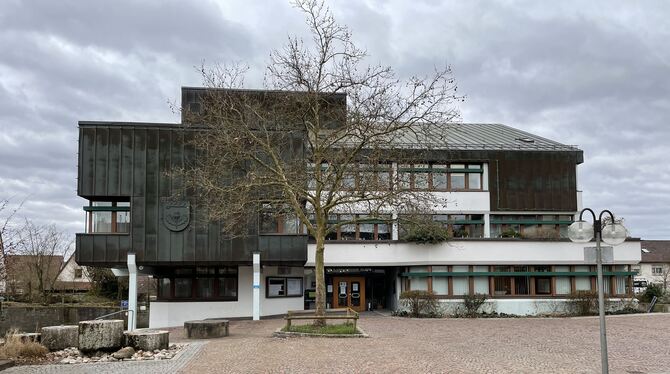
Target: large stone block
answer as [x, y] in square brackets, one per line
[100, 335]
[148, 340]
[206, 329]
[60, 337]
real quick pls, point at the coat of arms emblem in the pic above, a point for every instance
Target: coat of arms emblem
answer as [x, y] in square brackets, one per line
[176, 215]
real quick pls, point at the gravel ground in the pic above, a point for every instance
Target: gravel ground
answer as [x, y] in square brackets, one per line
[637, 344]
[131, 367]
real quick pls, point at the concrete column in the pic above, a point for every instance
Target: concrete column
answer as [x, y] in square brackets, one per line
[487, 225]
[132, 292]
[394, 227]
[257, 286]
[485, 176]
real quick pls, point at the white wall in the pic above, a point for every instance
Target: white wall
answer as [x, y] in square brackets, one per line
[465, 252]
[646, 273]
[172, 313]
[67, 274]
[524, 307]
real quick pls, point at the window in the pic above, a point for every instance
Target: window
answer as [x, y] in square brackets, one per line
[183, 288]
[458, 225]
[460, 285]
[108, 217]
[481, 283]
[582, 283]
[542, 284]
[563, 284]
[502, 285]
[440, 177]
[278, 223]
[200, 283]
[657, 270]
[78, 273]
[440, 283]
[283, 287]
[418, 283]
[363, 227]
[530, 226]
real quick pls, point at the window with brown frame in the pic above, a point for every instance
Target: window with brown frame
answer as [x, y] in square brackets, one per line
[459, 225]
[441, 177]
[278, 223]
[105, 217]
[362, 227]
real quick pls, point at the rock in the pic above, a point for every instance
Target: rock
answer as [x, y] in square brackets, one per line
[100, 335]
[60, 337]
[123, 353]
[206, 329]
[148, 340]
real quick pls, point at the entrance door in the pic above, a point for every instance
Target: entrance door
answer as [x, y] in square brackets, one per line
[349, 292]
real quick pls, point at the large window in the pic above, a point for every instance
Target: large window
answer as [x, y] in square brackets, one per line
[440, 177]
[283, 287]
[530, 226]
[459, 225]
[360, 227]
[279, 223]
[106, 217]
[356, 176]
[200, 283]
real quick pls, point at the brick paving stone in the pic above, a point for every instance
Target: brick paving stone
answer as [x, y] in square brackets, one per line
[637, 344]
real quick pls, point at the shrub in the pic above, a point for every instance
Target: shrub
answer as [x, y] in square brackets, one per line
[472, 303]
[15, 347]
[583, 303]
[510, 233]
[429, 233]
[652, 290]
[420, 303]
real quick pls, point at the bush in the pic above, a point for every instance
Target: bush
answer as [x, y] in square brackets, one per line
[583, 303]
[472, 303]
[420, 304]
[510, 233]
[427, 233]
[652, 290]
[15, 347]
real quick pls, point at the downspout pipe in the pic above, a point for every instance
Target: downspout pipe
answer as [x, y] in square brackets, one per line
[132, 292]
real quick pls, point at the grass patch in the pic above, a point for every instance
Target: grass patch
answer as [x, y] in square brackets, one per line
[344, 328]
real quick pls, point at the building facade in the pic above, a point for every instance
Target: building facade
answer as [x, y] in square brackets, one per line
[654, 266]
[506, 197]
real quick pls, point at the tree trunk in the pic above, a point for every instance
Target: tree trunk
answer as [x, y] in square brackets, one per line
[320, 279]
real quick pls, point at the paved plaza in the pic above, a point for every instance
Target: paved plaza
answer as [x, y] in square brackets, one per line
[637, 344]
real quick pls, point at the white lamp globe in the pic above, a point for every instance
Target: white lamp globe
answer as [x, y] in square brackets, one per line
[580, 232]
[614, 233]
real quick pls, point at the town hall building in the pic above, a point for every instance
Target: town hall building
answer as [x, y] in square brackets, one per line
[509, 197]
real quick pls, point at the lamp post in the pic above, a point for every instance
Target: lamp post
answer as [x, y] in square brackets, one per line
[611, 233]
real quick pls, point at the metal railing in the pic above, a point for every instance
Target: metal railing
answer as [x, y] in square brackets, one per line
[114, 313]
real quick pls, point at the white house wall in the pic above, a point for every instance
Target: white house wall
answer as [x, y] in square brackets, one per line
[465, 252]
[172, 313]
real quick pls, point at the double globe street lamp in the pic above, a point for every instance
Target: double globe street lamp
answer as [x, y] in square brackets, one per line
[611, 233]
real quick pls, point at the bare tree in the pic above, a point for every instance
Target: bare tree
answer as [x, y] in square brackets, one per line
[7, 237]
[42, 249]
[328, 143]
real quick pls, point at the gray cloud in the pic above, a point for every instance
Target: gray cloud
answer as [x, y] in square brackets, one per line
[593, 74]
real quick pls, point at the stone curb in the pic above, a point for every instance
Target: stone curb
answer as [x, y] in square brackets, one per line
[286, 334]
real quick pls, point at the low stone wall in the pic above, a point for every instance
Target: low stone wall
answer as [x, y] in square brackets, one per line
[33, 318]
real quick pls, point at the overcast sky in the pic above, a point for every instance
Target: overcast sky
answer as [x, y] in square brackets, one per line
[589, 73]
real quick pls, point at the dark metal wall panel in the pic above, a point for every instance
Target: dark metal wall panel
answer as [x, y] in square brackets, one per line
[86, 161]
[126, 171]
[101, 161]
[114, 162]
